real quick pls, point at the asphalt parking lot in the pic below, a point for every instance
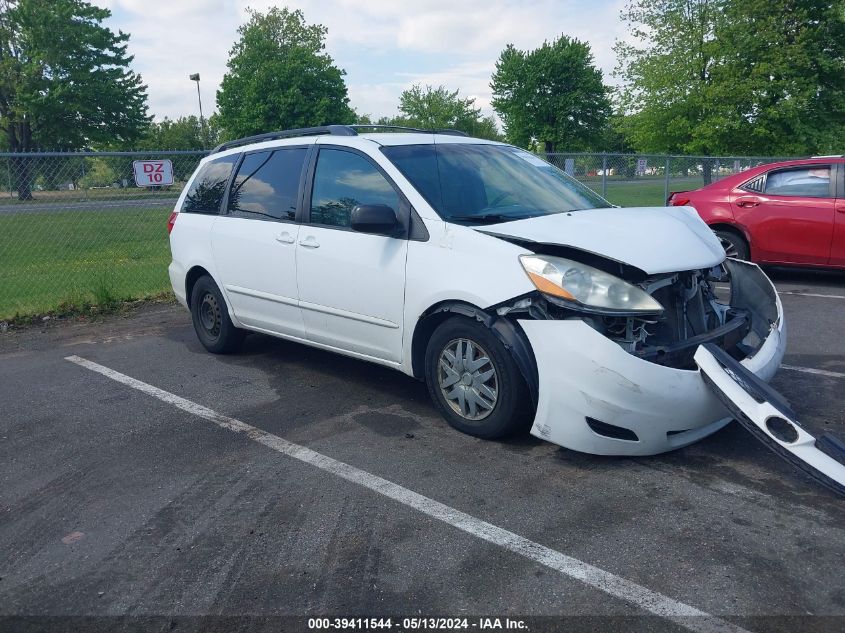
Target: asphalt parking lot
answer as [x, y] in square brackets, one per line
[117, 499]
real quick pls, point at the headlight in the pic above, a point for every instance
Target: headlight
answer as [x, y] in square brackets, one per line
[586, 287]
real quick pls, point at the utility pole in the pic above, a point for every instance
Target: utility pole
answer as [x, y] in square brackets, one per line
[196, 77]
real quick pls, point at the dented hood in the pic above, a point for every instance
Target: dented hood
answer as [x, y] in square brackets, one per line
[654, 239]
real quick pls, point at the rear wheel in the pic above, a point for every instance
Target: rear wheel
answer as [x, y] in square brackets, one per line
[474, 381]
[734, 244]
[210, 315]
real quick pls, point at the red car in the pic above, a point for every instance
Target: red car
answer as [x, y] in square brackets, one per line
[792, 212]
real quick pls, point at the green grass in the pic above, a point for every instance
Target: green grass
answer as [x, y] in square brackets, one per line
[644, 192]
[101, 194]
[62, 261]
[71, 260]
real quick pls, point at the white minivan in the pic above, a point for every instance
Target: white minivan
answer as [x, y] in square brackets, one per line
[521, 297]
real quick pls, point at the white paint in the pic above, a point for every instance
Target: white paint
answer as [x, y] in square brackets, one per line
[261, 295]
[817, 372]
[654, 239]
[346, 314]
[810, 294]
[364, 295]
[616, 586]
[352, 288]
[582, 374]
[257, 271]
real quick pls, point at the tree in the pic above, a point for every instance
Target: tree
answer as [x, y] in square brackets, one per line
[438, 108]
[734, 76]
[279, 77]
[99, 172]
[184, 133]
[553, 95]
[785, 67]
[362, 119]
[65, 81]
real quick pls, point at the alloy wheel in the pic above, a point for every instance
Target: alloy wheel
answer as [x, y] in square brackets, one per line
[730, 247]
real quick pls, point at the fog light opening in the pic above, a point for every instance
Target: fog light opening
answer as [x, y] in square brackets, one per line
[611, 430]
[782, 430]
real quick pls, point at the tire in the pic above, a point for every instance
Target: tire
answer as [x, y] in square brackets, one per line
[210, 315]
[487, 405]
[734, 244]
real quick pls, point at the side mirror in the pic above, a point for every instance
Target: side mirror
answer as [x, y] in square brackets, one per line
[378, 219]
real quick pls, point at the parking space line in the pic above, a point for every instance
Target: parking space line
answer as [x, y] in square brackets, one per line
[818, 372]
[809, 294]
[648, 600]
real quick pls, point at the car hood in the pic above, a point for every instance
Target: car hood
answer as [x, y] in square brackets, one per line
[654, 239]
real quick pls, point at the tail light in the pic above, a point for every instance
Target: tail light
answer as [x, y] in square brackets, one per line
[675, 199]
[171, 221]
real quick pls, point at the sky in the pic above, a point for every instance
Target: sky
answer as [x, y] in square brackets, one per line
[384, 46]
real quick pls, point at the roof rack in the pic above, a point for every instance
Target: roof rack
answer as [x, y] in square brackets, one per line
[333, 130]
[336, 130]
[404, 128]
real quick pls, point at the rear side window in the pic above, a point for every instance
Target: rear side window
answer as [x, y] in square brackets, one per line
[806, 182]
[755, 185]
[343, 180]
[267, 184]
[206, 192]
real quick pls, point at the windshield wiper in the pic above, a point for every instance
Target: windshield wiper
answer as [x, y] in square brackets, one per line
[488, 217]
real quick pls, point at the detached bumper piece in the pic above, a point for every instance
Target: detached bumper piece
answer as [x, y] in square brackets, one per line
[768, 417]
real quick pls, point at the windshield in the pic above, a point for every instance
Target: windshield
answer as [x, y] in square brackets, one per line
[485, 184]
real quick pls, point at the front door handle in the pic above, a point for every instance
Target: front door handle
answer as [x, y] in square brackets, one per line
[841, 207]
[285, 238]
[310, 242]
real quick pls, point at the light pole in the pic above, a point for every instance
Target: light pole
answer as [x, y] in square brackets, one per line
[196, 77]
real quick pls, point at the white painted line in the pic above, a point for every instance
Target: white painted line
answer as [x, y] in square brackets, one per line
[809, 294]
[818, 372]
[646, 599]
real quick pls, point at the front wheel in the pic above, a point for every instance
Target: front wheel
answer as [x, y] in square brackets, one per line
[734, 245]
[210, 315]
[474, 381]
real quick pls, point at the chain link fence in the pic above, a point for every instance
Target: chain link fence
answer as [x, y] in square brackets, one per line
[633, 180]
[77, 231]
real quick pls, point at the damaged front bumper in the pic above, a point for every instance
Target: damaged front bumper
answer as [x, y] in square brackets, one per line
[765, 414]
[593, 396]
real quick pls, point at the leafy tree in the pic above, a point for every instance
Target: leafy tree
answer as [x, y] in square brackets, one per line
[439, 108]
[280, 77]
[734, 76]
[553, 95]
[184, 133]
[616, 138]
[65, 81]
[785, 68]
[99, 173]
[362, 119]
